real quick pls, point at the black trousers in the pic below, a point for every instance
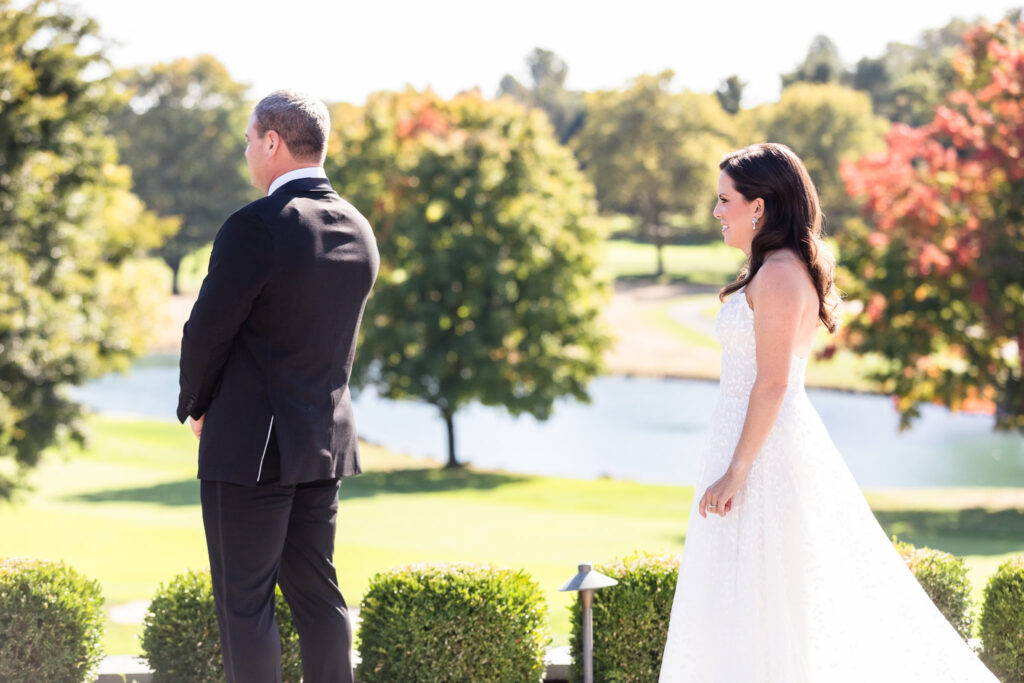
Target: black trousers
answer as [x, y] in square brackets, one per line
[261, 536]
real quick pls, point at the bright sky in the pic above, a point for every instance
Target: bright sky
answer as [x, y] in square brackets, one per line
[341, 50]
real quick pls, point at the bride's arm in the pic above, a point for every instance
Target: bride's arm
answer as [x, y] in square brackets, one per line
[777, 297]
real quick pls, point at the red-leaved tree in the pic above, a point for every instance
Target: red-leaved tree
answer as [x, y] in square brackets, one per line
[939, 263]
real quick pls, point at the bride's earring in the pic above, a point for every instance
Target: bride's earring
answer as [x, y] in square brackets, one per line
[754, 221]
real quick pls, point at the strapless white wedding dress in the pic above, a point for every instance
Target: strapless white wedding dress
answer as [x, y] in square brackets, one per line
[798, 583]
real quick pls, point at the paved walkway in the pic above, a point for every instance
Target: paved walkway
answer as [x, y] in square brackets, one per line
[643, 348]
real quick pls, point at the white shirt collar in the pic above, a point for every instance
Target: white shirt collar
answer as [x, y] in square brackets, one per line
[310, 172]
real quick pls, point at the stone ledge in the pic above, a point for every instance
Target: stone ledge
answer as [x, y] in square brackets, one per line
[124, 669]
[132, 669]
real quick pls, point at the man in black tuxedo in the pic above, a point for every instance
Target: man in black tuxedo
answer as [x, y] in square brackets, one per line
[266, 357]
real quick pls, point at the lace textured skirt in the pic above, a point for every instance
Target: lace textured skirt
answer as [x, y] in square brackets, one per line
[799, 582]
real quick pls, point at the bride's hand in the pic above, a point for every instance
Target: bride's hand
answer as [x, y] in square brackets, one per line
[718, 498]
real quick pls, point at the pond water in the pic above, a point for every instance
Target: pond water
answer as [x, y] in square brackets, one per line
[648, 430]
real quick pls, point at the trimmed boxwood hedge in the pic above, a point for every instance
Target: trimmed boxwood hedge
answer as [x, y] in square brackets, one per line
[180, 638]
[630, 619]
[944, 579]
[51, 622]
[452, 622]
[1002, 622]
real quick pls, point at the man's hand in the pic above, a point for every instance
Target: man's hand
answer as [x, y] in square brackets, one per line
[197, 425]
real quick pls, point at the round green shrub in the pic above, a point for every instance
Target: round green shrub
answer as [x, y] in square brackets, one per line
[452, 623]
[944, 579]
[630, 619]
[1002, 622]
[180, 638]
[51, 622]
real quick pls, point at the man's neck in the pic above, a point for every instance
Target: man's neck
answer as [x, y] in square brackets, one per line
[307, 171]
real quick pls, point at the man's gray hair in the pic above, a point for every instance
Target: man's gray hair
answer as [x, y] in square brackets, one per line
[301, 120]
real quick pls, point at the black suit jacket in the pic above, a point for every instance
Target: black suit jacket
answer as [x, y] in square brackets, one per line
[268, 348]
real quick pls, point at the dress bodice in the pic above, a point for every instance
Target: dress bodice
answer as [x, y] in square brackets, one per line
[734, 328]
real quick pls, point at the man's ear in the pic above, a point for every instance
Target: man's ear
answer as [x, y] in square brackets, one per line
[273, 142]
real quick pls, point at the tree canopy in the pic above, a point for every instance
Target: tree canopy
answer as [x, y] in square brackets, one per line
[180, 130]
[823, 124]
[730, 93]
[547, 91]
[651, 152]
[822, 64]
[486, 290]
[938, 265]
[907, 82]
[75, 299]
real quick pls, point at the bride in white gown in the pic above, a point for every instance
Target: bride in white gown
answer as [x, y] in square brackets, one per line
[785, 574]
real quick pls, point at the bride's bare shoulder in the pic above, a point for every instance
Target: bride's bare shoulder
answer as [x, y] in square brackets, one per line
[784, 274]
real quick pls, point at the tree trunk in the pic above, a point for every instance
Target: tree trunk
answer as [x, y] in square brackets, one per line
[450, 423]
[657, 232]
[175, 265]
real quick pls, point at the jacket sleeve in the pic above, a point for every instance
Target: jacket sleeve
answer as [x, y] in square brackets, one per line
[239, 268]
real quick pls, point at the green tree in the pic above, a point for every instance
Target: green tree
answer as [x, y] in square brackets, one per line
[907, 82]
[822, 64]
[488, 243]
[652, 153]
[180, 132]
[564, 107]
[937, 267]
[730, 93]
[823, 124]
[75, 299]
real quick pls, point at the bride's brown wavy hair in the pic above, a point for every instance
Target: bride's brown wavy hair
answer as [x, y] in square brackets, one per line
[791, 220]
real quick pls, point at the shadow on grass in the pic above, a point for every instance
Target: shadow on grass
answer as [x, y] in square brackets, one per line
[171, 493]
[698, 282]
[969, 531]
[427, 480]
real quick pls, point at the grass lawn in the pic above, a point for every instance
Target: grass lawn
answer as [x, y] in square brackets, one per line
[708, 264]
[125, 511]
